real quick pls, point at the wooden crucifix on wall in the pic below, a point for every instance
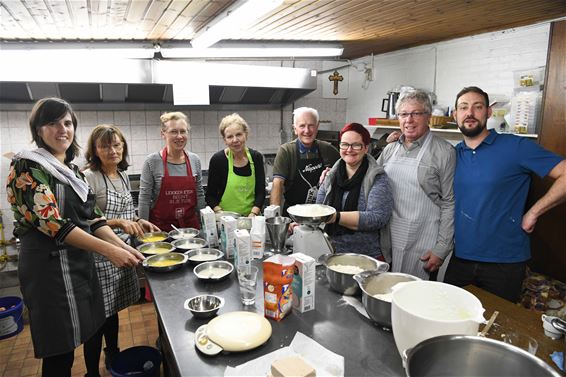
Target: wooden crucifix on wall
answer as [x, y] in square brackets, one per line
[335, 78]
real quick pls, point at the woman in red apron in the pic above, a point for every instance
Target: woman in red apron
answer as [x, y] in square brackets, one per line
[171, 190]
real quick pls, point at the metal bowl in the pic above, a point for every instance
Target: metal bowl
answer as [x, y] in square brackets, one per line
[165, 262]
[206, 254]
[190, 244]
[311, 214]
[149, 249]
[204, 306]
[226, 213]
[184, 233]
[374, 283]
[460, 355]
[343, 282]
[213, 271]
[150, 237]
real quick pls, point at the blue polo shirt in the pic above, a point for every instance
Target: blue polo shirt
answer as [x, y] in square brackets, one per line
[491, 184]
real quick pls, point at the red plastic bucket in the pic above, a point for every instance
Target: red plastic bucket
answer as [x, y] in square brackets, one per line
[11, 321]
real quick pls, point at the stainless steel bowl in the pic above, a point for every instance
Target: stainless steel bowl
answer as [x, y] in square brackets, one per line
[226, 213]
[204, 306]
[165, 262]
[184, 233]
[190, 244]
[155, 248]
[374, 283]
[311, 214]
[213, 271]
[459, 355]
[344, 282]
[159, 237]
[206, 254]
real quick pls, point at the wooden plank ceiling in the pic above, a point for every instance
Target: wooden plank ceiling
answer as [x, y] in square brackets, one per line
[362, 26]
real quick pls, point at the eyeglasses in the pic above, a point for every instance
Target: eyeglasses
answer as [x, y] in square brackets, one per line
[107, 148]
[414, 114]
[354, 146]
[177, 132]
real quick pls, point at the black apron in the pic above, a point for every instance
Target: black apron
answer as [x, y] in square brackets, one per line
[305, 185]
[59, 283]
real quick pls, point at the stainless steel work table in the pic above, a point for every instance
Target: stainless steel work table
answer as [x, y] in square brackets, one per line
[367, 349]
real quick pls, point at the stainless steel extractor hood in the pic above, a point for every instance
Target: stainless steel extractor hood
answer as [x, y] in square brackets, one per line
[154, 82]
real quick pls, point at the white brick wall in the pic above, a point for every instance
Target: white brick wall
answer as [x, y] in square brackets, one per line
[485, 60]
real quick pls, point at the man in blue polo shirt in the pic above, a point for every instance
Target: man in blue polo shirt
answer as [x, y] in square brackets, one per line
[491, 184]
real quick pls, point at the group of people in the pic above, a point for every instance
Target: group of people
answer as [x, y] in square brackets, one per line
[423, 200]
[420, 201]
[77, 265]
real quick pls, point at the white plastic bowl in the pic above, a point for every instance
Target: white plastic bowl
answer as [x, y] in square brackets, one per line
[425, 309]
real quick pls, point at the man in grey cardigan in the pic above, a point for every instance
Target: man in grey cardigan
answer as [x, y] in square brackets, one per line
[420, 167]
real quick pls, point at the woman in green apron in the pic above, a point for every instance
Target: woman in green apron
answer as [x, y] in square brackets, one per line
[58, 222]
[236, 176]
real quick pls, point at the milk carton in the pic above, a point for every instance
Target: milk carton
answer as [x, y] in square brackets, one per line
[242, 249]
[208, 222]
[228, 225]
[303, 282]
[277, 290]
[257, 235]
[272, 211]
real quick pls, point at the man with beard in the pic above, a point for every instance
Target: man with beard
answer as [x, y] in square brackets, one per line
[491, 184]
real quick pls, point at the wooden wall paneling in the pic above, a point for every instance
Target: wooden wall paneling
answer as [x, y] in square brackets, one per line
[549, 237]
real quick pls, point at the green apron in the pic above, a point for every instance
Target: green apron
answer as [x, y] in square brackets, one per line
[239, 193]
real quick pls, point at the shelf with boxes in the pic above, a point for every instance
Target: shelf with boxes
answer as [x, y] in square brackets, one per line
[446, 133]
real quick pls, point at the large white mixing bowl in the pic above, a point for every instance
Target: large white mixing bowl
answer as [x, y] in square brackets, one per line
[424, 309]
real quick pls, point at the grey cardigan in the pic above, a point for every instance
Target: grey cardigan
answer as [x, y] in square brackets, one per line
[374, 205]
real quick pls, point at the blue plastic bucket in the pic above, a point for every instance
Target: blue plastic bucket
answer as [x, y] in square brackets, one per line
[139, 361]
[11, 321]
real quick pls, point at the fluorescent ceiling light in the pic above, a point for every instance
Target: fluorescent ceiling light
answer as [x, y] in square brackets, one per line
[77, 51]
[237, 18]
[257, 51]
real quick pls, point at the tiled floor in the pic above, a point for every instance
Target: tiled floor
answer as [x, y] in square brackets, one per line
[138, 326]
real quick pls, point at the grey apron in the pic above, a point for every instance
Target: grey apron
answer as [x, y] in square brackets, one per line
[120, 286]
[415, 220]
[59, 283]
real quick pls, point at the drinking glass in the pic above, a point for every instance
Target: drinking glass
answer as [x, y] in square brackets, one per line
[247, 278]
[521, 340]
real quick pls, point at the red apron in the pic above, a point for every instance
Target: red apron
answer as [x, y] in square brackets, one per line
[177, 200]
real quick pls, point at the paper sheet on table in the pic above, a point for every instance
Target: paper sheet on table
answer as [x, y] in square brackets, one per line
[356, 304]
[326, 362]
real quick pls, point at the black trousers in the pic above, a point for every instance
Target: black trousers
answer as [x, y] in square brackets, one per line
[502, 279]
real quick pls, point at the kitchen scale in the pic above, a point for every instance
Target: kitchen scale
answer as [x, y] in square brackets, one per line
[309, 238]
[233, 332]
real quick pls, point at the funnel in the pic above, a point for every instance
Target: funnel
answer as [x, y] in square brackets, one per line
[277, 228]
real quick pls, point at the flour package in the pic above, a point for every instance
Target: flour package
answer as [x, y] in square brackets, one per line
[257, 234]
[208, 222]
[242, 249]
[228, 225]
[272, 211]
[304, 277]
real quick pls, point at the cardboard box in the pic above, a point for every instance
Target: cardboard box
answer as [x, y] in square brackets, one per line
[242, 248]
[272, 211]
[277, 289]
[208, 222]
[304, 278]
[228, 225]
